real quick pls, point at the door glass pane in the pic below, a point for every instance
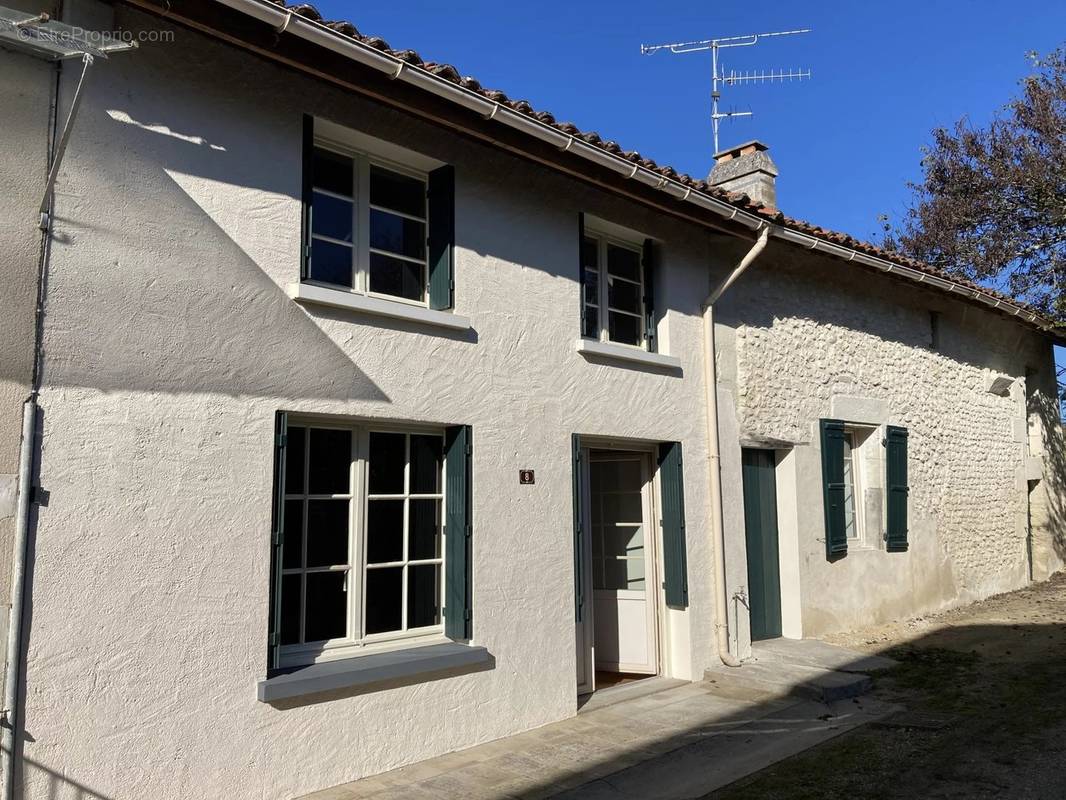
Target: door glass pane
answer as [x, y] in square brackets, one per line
[397, 234]
[327, 606]
[330, 451]
[292, 547]
[290, 609]
[425, 464]
[623, 541]
[624, 573]
[384, 600]
[423, 595]
[332, 217]
[384, 531]
[424, 524]
[331, 263]
[294, 460]
[396, 277]
[399, 192]
[333, 172]
[327, 533]
[387, 460]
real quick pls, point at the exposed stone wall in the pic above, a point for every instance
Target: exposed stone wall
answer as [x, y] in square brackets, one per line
[810, 341]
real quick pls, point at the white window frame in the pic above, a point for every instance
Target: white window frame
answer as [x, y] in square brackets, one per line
[867, 470]
[356, 642]
[603, 239]
[362, 161]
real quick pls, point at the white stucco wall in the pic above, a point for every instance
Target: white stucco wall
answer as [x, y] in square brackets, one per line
[170, 343]
[804, 341]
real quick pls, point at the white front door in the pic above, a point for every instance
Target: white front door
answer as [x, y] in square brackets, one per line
[621, 563]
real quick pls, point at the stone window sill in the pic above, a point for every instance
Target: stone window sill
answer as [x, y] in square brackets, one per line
[375, 671]
[338, 298]
[621, 352]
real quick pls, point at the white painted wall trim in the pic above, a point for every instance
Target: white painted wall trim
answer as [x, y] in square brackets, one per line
[337, 298]
[621, 352]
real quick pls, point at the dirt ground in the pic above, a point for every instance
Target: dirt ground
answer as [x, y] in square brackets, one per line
[984, 689]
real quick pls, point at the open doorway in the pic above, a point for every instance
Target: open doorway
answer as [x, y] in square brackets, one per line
[617, 637]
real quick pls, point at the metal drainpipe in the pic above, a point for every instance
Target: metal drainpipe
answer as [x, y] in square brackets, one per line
[714, 451]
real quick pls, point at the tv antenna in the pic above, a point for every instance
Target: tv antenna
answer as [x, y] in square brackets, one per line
[718, 75]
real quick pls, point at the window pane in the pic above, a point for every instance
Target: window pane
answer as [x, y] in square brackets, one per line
[397, 234]
[425, 464]
[384, 531]
[396, 277]
[292, 548]
[623, 262]
[333, 172]
[387, 460]
[384, 609]
[423, 596]
[327, 533]
[592, 323]
[290, 609]
[624, 573]
[327, 606]
[332, 217]
[623, 541]
[294, 460]
[424, 529]
[623, 295]
[398, 192]
[331, 263]
[623, 328]
[590, 253]
[331, 461]
[592, 286]
[623, 508]
[849, 490]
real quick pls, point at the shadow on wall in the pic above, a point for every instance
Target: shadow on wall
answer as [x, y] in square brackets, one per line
[48, 783]
[158, 297]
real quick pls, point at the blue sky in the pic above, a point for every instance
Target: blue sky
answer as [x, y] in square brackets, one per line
[884, 74]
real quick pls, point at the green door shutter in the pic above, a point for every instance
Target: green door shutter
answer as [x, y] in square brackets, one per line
[672, 492]
[307, 195]
[277, 539]
[442, 237]
[457, 529]
[836, 532]
[579, 525]
[896, 484]
[761, 541]
[647, 262]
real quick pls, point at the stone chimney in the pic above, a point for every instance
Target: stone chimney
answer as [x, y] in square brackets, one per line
[746, 168]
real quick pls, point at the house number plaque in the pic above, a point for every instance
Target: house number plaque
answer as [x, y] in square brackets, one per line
[526, 477]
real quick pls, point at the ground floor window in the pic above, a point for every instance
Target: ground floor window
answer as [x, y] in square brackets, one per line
[362, 550]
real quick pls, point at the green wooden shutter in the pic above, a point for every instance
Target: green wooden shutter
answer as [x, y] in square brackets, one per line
[581, 269]
[458, 449]
[672, 492]
[307, 195]
[579, 529]
[898, 489]
[277, 539]
[836, 532]
[647, 261]
[441, 194]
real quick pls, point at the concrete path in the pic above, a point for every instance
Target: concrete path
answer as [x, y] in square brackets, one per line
[681, 742]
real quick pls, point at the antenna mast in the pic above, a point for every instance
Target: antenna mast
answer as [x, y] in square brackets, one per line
[718, 76]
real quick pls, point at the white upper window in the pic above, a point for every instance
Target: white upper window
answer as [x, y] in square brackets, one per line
[368, 225]
[614, 289]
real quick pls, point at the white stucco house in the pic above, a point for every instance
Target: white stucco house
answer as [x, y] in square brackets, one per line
[371, 414]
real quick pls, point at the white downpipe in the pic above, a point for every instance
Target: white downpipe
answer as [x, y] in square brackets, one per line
[18, 582]
[714, 452]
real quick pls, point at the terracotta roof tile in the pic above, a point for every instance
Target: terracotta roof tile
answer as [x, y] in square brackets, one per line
[737, 199]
